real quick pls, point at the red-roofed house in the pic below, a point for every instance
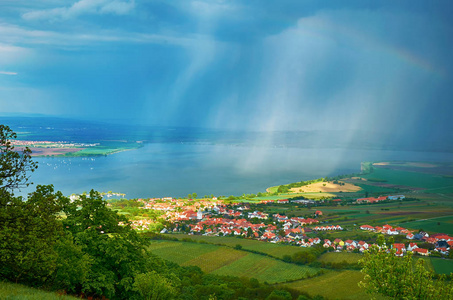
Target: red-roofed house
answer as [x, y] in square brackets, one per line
[412, 246]
[431, 240]
[363, 244]
[443, 237]
[421, 251]
[338, 242]
[367, 227]
[268, 235]
[387, 227]
[400, 249]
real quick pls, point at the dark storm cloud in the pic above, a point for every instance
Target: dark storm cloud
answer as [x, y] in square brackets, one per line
[379, 66]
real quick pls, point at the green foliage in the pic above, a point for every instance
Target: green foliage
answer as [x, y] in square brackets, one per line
[283, 189]
[153, 286]
[279, 295]
[28, 235]
[72, 265]
[117, 252]
[395, 277]
[14, 165]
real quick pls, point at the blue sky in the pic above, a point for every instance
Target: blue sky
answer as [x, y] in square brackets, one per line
[259, 65]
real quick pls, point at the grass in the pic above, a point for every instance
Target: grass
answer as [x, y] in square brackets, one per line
[223, 260]
[265, 269]
[338, 257]
[437, 224]
[372, 189]
[430, 182]
[333, 285]
[179, 252]
[214, 260]
[13, 291]
[272, 189]
[442, 266]
[276, 250]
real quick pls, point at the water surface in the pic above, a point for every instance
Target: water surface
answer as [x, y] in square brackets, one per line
[176, 169]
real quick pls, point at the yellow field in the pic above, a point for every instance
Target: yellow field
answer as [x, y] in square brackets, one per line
[326, 187]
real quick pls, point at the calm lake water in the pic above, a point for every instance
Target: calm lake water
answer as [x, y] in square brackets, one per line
[176, 169]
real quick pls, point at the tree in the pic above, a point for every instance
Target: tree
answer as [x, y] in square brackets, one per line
[29, 232]
[14, 165]
[117, 252]
[153, 286]
[279, 295]
[381, 240]
[395, 277]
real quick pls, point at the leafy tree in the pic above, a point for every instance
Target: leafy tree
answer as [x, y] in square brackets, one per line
[14, 165]
[380, 240]
[395, 277]
[153, 286]
[118, 253]
[29, 231]
[279, 295]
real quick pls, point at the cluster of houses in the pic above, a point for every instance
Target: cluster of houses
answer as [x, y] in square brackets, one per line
[142, 225]
[380, 198]
[186, 210]
[389, 230]
[283, 229]
[213, 217]
[441, 242]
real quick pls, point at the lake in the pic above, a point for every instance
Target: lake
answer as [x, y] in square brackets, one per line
[176, 169]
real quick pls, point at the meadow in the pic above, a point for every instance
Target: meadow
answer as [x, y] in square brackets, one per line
[221, 260]
[442, 266]
[13, 291]
[275, 250]
[435, 224]
[339, 257]
[435, 183]
[333, 285]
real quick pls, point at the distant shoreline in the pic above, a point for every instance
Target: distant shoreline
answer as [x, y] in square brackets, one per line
[72, 152]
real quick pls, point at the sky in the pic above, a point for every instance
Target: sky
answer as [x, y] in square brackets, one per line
[375, 66]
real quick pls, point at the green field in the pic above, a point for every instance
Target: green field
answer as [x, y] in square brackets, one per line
[338, 257]
[372, 189]
[436, 224]
[430, 182]
[12, 291]
[103, 150]
[222, 260]
[333, 285]
[184, 251]
[442, 266]
[265, 269]
[276, 250]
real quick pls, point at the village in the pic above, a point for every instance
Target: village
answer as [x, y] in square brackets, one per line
[214, 217]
